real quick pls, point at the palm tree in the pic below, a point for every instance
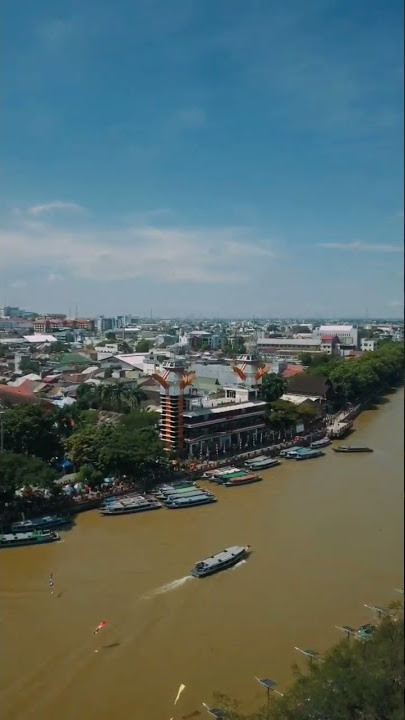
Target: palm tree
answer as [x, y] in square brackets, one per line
[134, 395]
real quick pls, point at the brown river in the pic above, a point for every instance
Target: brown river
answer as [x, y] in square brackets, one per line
[326, 537]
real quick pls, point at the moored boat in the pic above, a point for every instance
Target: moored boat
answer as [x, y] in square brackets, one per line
[289, 452]
[323, 442]
[193, 501]
[131, 506]
[221, 561]
[36, 537]
[308, 454]
[45, 522]
[246, 480]
[263, 464]
[352, 449]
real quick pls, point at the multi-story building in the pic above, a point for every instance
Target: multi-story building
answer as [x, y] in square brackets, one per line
[195, 426]
[51, 323]
[347, 335]
[288, 346]
[104, 324]
[368, 344]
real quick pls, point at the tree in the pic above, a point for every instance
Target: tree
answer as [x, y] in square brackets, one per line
[110, 336]
[273, 387]
[356, 680]
[18, 470]
[27, 365]
[120, 450]
[138, 419]
[88, 475]
[143, 346]
[32, 430]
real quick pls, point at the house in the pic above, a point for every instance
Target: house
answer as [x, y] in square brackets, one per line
[307, 387]
[20, 396]
[329, 344]
[292, 370]
[368, 344]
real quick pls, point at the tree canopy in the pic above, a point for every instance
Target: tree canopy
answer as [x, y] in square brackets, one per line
[143, 346]
[355, 681]
[18, 470]
[273, 387]
[120, 450]
[116, 397]
[32, 430]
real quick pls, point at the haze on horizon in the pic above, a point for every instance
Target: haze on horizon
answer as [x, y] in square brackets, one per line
[203, 159]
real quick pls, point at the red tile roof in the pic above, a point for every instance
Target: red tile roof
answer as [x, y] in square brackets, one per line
[328, 338]
[16, 396]
[292, 370]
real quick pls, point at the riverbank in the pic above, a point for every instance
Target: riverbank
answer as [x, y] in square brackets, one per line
[326, 538]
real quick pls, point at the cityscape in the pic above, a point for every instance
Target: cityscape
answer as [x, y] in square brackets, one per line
[202, 360]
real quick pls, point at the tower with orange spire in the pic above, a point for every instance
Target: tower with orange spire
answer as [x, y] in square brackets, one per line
[249, 368]
[174, 382]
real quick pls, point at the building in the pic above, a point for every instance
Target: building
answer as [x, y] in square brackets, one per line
[198, 426]
[368, 344]
[104, 324]
[49, 324]
[329, 344]
[288, 346]
[347, 335]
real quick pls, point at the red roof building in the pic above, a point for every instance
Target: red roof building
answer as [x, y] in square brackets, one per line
[292, 370]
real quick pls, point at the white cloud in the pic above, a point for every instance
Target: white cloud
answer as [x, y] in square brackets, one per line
[167, 254]
[358, 246]
[54, 205]
[18, 284]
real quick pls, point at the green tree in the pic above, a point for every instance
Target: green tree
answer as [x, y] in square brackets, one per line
[143, 346]
[32, 430]
[138, 419]
[18, 470]
[355, 681]
[88, 475]
[110, 336]
[273, 387]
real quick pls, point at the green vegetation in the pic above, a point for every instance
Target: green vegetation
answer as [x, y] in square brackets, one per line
[272, 388]
[143, 346]
[120, 450]
[235, 346]
[32, 430]
[355, 681]
[110, 336]
[284, 415]
[114, 397]
[37, 439]
[362, 378]
[18, 471]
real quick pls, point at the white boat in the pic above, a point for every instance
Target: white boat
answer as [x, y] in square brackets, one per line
[221, 561]
[264, 464]
[323, 442]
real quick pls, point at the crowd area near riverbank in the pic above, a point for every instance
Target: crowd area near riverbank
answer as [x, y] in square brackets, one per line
[66, 460]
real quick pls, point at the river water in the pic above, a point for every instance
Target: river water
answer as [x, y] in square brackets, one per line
[326, 537]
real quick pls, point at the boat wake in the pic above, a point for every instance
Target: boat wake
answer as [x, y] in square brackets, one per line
[239, 564]
[168, 587]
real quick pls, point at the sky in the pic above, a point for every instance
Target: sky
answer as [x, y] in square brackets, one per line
[216, 158]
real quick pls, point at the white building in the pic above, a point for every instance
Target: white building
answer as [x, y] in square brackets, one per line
[368, 344]
[346, 334]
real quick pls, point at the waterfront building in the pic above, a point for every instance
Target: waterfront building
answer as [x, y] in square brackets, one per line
[198, 426]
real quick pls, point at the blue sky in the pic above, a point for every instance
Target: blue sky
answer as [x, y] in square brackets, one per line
[221, 157]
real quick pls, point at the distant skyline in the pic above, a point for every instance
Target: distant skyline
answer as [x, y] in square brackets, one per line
[227, 158]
